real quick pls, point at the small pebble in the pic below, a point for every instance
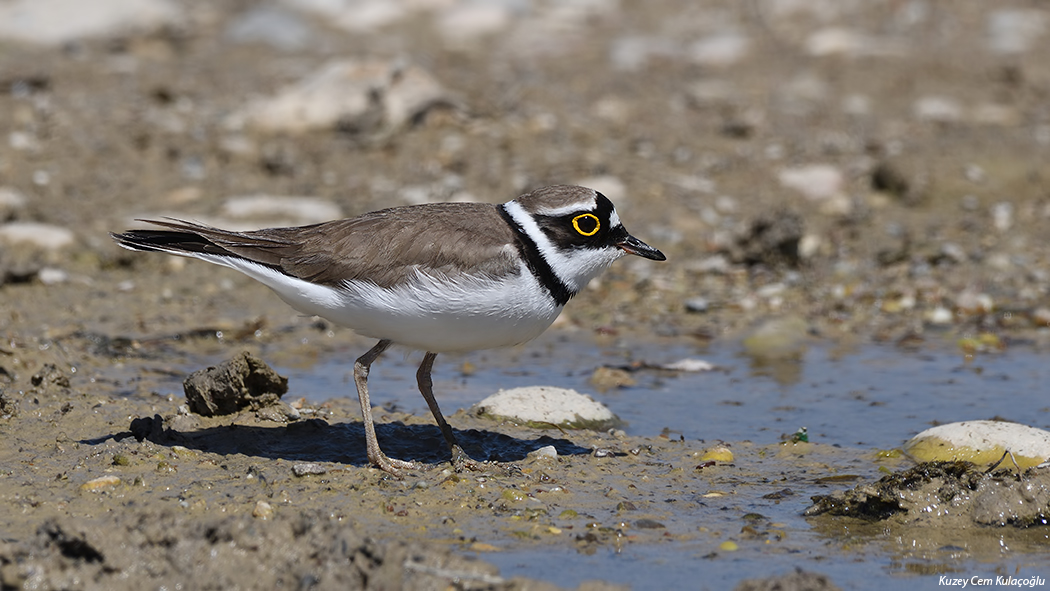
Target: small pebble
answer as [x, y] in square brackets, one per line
[971, 302]
[809, 245]
[462, 22]
[817, 182]
[64, 22]
[514, 495]
[697, 305]
[1015, 30]
[275, 26]
[836, 41]
[44, 236]
[308, 468]
[11, 199]
[605, 378]
[940, 316]
[52, 276]
[690, 365]
[1003, 216]
[937, 109]
[718, 453]
[545, 452]
[954, 252]
[262, 510]
[719, 50]
[100, 483]
[364, 94]
[635, 52]
[303, 210]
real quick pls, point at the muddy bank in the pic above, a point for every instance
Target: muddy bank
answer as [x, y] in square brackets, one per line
[84, 471]
[115, 491]
[172, 548]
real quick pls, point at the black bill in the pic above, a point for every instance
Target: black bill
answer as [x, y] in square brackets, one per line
[633, 245]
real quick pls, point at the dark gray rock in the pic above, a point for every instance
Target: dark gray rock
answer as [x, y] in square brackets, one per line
[243, 381]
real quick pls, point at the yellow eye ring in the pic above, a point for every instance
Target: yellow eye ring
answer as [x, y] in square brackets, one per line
[591, 216]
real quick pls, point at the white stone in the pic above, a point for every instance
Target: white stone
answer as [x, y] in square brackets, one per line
[690, 365]
[52, 276]
[345, 91]
[937, 109]
[715, 263]
[472, 20]
[982, 442]
[723, 49]
[545, 452]
[1003, 216]
[953, 251]
[355, 15]
[271, 25]
[770, 290]
[11, 199]
[22, 141]
[971, 302]
[367, 15]
[547, 405]
[43, 236]
[940, 315]
[56, 22]
[835, 41]
[817, 182]
[726, 204]
[1015, 30]
[809, 245]
[634, 53]
[305, 210]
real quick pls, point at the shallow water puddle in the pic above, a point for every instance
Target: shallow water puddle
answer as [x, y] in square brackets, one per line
[868, 397]
[746, 523]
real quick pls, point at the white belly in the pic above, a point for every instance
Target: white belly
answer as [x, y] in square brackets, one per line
[429, 313]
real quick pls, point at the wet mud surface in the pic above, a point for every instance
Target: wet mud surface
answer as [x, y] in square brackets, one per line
[115, 490]
[817, 173]
[107, 488]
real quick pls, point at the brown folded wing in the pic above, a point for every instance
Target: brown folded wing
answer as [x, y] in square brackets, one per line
[383, 246]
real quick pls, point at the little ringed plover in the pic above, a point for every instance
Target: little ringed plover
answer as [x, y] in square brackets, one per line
[443, 277]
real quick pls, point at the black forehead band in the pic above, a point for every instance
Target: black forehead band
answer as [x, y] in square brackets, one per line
[604, 207]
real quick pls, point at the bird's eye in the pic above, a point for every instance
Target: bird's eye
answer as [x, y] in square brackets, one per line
[586, 224]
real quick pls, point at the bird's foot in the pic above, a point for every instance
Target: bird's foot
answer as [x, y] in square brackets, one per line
[393, 466]
[461, 462]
